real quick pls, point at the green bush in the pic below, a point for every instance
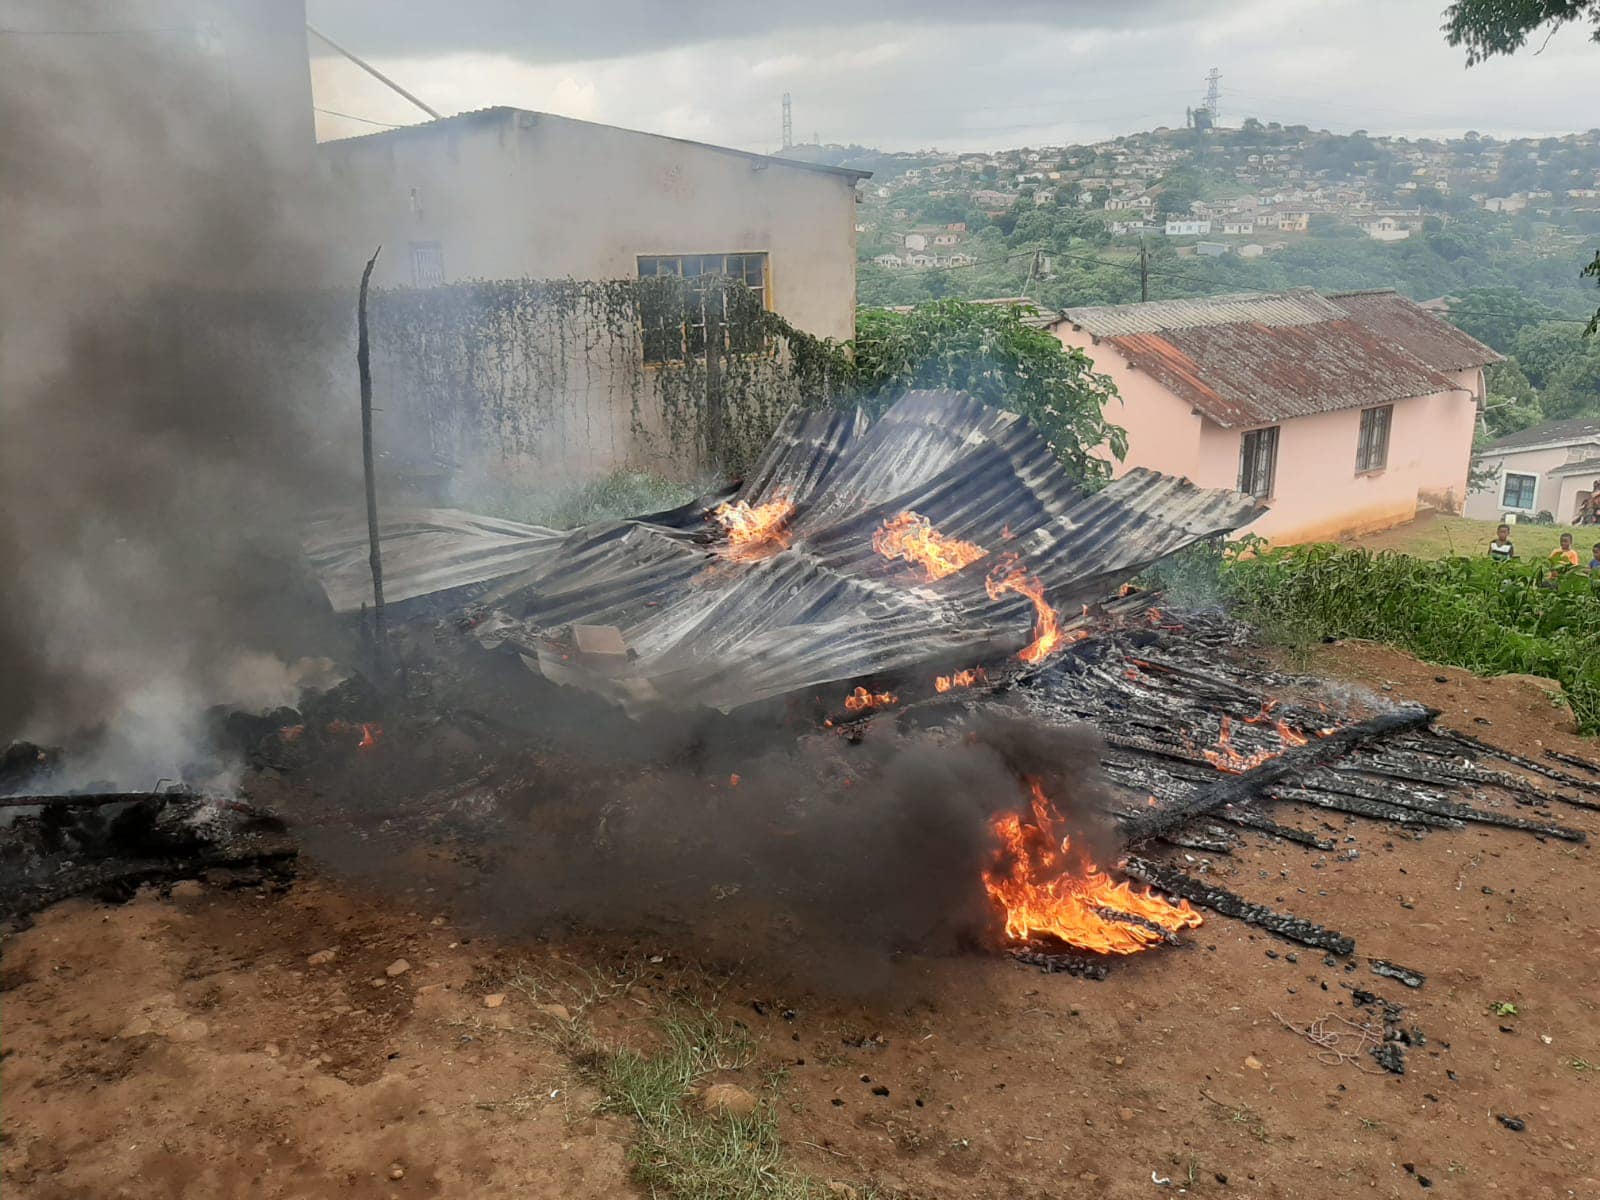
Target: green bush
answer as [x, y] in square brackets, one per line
[1491, 618]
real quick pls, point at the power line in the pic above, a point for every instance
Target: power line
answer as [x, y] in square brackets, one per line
[352, 117]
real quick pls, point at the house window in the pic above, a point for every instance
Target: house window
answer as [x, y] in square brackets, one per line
[1518, 491]
[427, 264]
[667, 339]
[1258, 462]
[1372, 447]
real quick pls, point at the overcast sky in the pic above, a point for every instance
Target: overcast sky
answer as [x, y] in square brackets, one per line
[956, 75]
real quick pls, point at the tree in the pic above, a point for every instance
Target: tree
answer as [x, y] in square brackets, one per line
[1490, 27]
[1178, 192]
[990, 351]
[1573, 389]
[1496, 315]
[1510, 400]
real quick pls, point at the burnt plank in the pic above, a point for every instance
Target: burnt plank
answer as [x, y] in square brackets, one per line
[1174, 882]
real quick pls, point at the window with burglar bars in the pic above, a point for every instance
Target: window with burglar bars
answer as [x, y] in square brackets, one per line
[1372, 449]
[1258, 462]
[427, 264]
[671, 336]
[1518, 491]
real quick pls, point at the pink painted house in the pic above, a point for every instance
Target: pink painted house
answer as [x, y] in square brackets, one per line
[1346, 412]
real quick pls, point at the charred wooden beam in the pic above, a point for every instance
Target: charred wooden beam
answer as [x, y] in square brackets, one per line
[1246, 819]
[1527, 764]
[1249, 784]
[1197, 891]
[1440, 807]
[1572, 760]
[1363, 806]
[1457, 775]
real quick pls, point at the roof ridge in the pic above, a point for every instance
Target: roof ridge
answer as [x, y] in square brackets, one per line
[468, 115]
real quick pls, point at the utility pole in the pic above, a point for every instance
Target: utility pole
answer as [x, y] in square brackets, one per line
[371, 70]
[788, 124]
[1144, 272]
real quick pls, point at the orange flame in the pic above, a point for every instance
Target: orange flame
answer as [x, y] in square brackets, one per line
[912, 537]
[1288, 735]
[961, 679]
[1226, 757]
[371, 735]
[1045, 887]
[860, 700]
[290, 733]
[1008, 575]
[755, 531]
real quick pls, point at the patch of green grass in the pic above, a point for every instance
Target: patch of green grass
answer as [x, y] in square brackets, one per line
[1503, 1008]
[1441, 536]
[681, 1150]
[622, 494]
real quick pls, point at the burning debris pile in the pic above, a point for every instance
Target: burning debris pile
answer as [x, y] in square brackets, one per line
[856, 612]
[944, 534]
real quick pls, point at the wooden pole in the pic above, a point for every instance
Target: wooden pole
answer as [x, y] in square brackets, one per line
[374, 555]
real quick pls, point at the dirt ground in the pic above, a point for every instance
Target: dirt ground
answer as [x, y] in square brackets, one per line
[190, 1045]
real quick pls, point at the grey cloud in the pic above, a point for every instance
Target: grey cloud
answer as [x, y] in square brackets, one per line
[559, 30]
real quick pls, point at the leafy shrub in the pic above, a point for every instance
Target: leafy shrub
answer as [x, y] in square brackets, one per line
[1489, 617]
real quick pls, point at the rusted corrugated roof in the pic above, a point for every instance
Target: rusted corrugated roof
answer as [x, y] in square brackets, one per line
[1259, 358]
[1434, 340]
[1300, 306]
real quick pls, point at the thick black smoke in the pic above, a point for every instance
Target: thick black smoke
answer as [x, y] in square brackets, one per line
[825, 862]
[156, 442]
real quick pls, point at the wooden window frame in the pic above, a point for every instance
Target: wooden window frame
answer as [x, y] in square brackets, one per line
[754, 270]
[1258, 470]
[1372, 441]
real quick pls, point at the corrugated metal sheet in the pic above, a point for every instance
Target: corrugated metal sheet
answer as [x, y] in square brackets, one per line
[425, 551]
[1244, 375]
[1436, 342]
[1573, 429]
[704, 629]
[1261, 357]
[1299, 306]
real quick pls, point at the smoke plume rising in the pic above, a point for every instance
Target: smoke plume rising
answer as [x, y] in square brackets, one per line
[151, 469]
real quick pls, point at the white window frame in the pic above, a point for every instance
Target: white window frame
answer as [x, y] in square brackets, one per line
[1505, 478]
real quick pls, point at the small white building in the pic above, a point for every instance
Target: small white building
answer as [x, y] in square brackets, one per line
[892, 262]
[1211, 249]
[1187, 226]
[1239, 227]
[1553, 467]
[1386, 229]
[915, 241]
[1513, 203]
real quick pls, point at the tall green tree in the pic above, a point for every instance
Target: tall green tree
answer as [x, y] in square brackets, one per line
[992, 352]
[1490, 27]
